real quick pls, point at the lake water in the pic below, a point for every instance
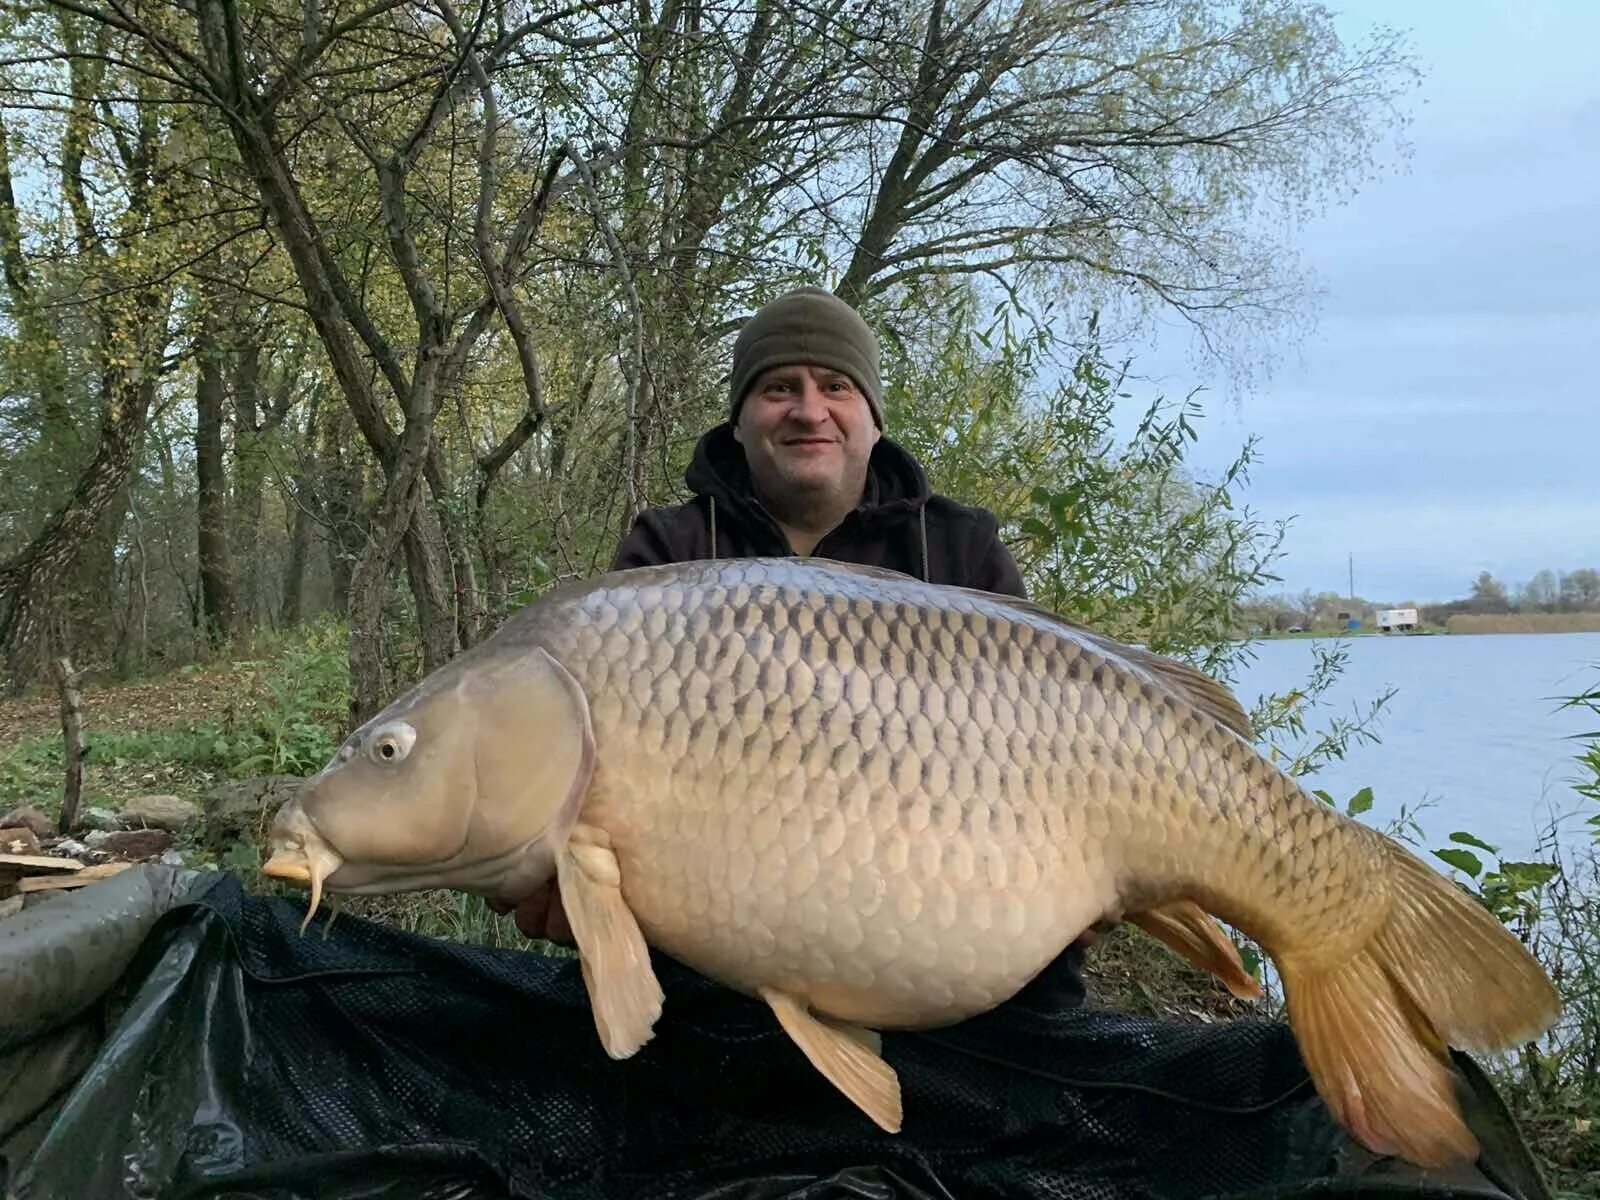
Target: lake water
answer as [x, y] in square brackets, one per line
[1473, 730]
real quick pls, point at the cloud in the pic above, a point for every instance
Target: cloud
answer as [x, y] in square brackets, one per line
[1442, 418]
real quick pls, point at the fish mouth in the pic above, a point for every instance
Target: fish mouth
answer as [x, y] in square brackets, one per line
[300, 854]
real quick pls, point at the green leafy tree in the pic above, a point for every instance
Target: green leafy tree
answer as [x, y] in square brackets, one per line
[1113, 530]
[118, 155]
[1488, 595]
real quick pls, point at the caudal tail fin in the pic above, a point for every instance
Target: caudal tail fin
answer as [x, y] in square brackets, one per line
[1374, 1030]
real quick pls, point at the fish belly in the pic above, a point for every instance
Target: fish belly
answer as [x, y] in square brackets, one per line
[875, 906]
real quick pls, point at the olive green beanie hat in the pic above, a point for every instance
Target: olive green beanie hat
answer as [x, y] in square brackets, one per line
[807, 325]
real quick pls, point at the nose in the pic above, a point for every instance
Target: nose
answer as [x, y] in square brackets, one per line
[808, 406]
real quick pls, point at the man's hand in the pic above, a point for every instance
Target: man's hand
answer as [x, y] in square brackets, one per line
[539, 915]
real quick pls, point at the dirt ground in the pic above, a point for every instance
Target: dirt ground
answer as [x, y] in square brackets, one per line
[186, 697]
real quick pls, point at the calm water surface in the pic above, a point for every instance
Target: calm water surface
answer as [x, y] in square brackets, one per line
[1473, 731]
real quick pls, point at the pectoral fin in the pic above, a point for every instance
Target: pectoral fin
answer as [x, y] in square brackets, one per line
[846, 1056]
[1188, 929]
[623, 989]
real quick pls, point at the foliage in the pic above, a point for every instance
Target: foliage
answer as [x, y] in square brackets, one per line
[1112, 530]
[1512, 891]
[489, 263]
[1553, 1085]
[1588, 781]
[299, 725]
[1276, 717]
[1552, 904]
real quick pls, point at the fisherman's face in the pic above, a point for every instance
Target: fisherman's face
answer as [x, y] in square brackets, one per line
[807, 433]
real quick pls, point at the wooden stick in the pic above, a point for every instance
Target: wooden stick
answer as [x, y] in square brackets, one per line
[22, 864]
[50, 883]
[72, 739]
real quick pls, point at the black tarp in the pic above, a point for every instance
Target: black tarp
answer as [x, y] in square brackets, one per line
[235, 1057]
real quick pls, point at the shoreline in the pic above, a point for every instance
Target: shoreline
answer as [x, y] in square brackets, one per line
[1459, 627]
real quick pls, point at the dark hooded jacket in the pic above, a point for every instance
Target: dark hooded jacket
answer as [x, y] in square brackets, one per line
[900, 524]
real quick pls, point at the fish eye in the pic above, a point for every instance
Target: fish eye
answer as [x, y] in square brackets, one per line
[391, 743]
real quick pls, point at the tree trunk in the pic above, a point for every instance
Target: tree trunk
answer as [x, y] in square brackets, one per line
[86, 618]
[322, 287]
[339, 467]
[464, 599]
[394, 524]
[292, 611]
[249, 471]
[217, 604]
[31, 582]
[71, 742]
[133, 640]
[301, 500]
[435, 617]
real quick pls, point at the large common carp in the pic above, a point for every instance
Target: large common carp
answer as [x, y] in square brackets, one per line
[879, 804]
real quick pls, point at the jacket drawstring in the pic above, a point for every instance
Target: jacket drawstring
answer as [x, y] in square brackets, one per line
[922, 522]
[713, 527]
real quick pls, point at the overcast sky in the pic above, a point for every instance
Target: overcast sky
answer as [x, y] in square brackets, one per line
[1443, 417]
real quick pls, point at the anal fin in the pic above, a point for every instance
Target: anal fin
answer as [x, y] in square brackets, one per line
[844, 1055]
[622, 985]
[1188, 929]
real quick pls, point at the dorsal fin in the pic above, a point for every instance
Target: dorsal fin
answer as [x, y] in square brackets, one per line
[1209, 695]
[1205, 693]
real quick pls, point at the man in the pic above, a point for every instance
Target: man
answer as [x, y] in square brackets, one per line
[802, 467]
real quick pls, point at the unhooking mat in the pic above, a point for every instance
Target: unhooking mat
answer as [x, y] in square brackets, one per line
[226, 1055]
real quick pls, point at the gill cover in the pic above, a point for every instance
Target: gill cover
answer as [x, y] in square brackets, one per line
[475, 762]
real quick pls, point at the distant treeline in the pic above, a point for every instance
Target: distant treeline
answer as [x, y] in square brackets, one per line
[1572, 593]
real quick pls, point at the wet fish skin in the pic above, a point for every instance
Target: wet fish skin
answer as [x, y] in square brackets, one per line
[886, 804]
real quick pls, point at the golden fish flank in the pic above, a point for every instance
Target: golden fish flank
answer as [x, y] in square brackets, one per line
[878, 804]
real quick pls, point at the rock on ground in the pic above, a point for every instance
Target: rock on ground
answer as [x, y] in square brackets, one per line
[130, 843]
[242, 809]
[29, 817]
[99, 818]
[160, 812]
[18, 839]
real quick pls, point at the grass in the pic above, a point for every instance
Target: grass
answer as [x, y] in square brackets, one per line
[119, 767]
[278, 713]
[450, 916]
[1553, 1085]
[1128, 970]
[279, 710]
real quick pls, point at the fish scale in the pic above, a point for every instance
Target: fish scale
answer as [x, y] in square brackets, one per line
[882, 804]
